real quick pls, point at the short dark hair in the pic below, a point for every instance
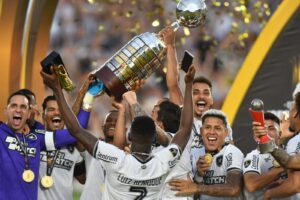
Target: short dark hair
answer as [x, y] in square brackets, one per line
[46, 100]
[143, 125]
[169, 114]
[271, 116]
[18, 93]
[297, 102]
[202, 79]
[27, 91]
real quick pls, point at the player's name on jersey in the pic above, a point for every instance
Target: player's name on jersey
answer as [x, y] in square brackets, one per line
[149, 182]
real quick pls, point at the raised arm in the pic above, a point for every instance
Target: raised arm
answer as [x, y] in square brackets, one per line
[186, 120]
[285, 160]
[120, 129]
[136, 110]
[172, 75]
[82, 135]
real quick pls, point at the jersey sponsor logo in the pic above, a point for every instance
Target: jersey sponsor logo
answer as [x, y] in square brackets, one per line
[210, 179]
[255, 162]
[106, 158]
[247, 163]
[297, 148]
[14, 145]
[32, 136]
[144, 183]
[215, 180]
[219, 160]
[229, 159]
[60, 162]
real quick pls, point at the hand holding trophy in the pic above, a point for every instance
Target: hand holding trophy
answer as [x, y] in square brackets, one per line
[144, 53]
[257, 113]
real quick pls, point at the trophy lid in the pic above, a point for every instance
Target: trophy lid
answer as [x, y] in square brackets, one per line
[191, 13]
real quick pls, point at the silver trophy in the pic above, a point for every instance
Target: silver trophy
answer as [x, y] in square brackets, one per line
[144, 53]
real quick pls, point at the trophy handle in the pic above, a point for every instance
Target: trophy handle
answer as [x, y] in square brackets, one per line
[175, 26]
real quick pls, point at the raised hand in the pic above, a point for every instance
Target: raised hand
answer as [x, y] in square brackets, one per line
[189, 76]
[184, 187]
[202, 166]
[51, 80]
[168, 36]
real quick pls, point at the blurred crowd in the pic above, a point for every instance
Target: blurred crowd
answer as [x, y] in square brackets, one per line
[88, 32]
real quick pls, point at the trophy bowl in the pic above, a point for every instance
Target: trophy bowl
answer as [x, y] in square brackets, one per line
[191, 13]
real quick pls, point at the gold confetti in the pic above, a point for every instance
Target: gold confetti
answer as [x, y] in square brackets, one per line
[155, 23]
[186, 31]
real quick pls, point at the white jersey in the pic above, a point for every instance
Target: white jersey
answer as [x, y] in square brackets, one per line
[229, 158]
[260, 164]
[292, 148]
[184, 166]
[129, 178]
[62, 174]
[94, 185]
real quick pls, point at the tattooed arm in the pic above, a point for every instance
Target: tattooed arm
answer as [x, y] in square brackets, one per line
[136, 110]
[230, 189]
[286, 160]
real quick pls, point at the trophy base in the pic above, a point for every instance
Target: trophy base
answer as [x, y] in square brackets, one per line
[267, 147]
[112, 83]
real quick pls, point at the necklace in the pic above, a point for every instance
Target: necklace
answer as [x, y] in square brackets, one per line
[141, 153]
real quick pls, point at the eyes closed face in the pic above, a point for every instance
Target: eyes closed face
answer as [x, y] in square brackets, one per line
[202, 98]
[213, 133]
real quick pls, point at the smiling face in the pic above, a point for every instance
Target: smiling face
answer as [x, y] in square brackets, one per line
[213, 132]
[17, 112]
[109, 125]
[52, 117]
[202, 98]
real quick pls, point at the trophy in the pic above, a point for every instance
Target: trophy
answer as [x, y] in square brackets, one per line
[257, 114]
[54, 59]
[144, 53]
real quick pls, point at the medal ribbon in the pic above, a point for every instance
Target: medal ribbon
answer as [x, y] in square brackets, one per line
[51, 162]
[24, 150]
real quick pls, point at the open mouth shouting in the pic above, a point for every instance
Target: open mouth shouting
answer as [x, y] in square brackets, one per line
[57, 121]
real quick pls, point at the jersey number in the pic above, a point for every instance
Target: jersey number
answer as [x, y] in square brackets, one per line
[141, 190]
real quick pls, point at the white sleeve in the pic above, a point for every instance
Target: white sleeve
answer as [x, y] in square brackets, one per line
[234, 159]
[251, 163]
[169, 156]
[109, 156]
[293, 146]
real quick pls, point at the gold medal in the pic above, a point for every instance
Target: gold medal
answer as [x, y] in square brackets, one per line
[28, 175]
[208, 158]
[47, 181]
[275, 163]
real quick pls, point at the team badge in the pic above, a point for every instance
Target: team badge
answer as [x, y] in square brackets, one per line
[219, 160]
[31, 136]
[174, 151]
[247, 163]
[71, 148]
